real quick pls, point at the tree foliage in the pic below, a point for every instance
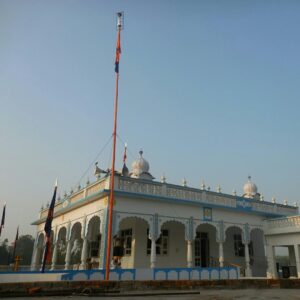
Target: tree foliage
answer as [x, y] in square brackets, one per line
[4, 252]
[24, 248]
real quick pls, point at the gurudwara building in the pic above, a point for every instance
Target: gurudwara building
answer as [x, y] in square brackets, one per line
[162, 225]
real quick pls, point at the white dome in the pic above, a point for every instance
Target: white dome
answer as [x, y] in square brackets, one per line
[140, 166]
[250, 189]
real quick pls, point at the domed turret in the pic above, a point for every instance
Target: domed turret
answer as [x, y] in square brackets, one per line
[250, 189]
[140, 168]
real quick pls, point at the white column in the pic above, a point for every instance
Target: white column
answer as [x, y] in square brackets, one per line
[100, 266]
[54, 256]
[34, 254]
[221, 255]
[189, 253]
[297, 256]
[153, 253]
[292, 255]
[34, 258]
[271, 271]
[83, 265]
[247, 261]
[68, 255]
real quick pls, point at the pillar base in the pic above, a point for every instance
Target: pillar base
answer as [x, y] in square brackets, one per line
[33, 268]
[248, 273]
[270, 275]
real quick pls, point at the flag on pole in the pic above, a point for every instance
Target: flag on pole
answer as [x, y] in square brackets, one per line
[2, 219]
[47, 228]
[15, 244]
[125, 156]
[118, 52]
[125, 171]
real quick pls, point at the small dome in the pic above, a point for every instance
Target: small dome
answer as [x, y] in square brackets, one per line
[140, 168]
[140, 165]
[250, 189]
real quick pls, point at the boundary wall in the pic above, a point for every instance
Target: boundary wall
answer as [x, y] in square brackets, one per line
[123, 275]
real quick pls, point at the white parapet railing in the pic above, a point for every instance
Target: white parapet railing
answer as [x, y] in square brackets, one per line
[293, 221]
[282, 225]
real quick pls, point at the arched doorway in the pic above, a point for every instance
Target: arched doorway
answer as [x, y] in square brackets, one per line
[132, 238]
[40, 249]
[205, 246]
[61, 248]
[76, 245]
[234, 249]
[171, 246]
[94, 242]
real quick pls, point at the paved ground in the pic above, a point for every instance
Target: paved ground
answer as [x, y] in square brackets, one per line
[248, 294]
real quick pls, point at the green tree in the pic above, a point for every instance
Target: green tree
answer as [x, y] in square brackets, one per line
[4, 252]
[24, 249]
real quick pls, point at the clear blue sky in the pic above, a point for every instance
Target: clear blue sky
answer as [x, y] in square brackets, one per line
[208, 89]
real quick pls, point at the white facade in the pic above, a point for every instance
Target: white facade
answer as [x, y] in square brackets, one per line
[160, 225]
[283, 232]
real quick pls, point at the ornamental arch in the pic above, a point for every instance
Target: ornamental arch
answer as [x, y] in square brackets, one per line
[234, 248]
[172, 244]
[40, 248]
[206, 250]
[76, 243]
[93, 236]
[132, 234]
[61, 246]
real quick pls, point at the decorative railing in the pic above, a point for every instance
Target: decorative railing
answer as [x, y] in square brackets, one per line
[293, 221]
[157, 189]
[186, 193]
[90, 190]
[96, 188]
[76, 197]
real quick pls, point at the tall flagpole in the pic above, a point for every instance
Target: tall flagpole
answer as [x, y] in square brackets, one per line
[112, 174]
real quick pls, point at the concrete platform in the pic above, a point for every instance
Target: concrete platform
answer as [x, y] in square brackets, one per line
[203, 294]
[137, 288]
